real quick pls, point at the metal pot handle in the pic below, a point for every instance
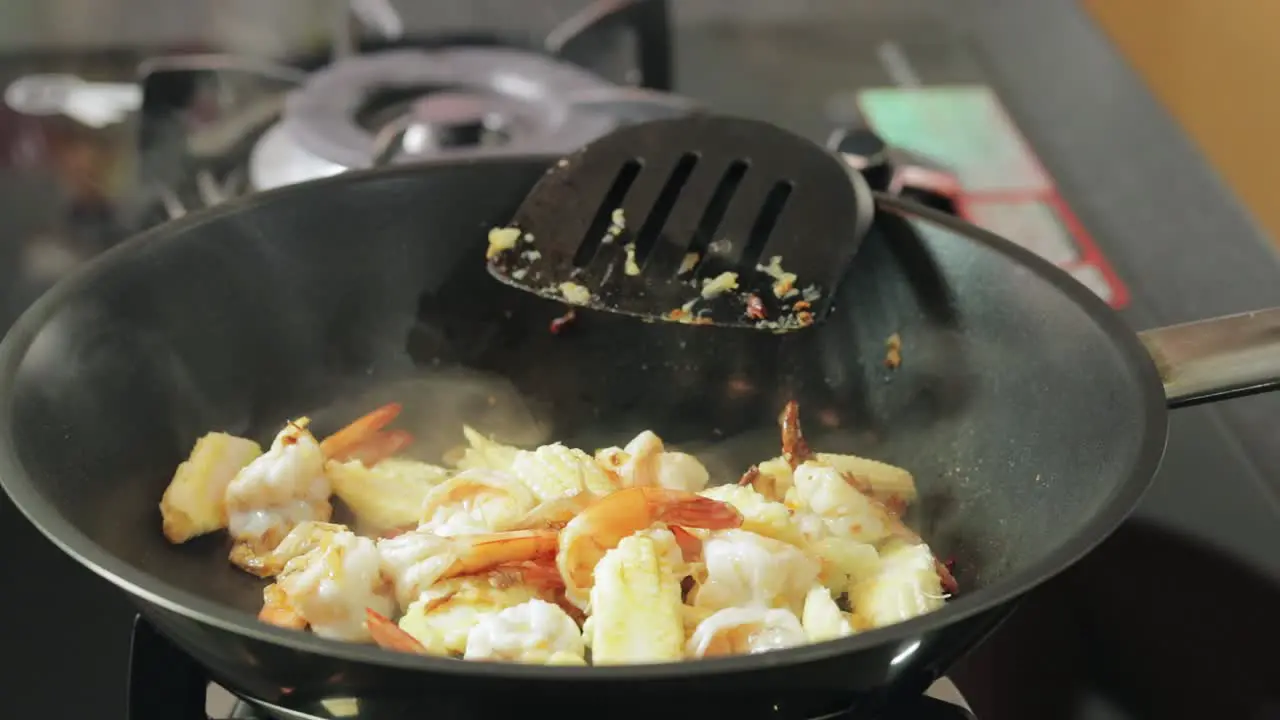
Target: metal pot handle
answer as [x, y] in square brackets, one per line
[1219, 358]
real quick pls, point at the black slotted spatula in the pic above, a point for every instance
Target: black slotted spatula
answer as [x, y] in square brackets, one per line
[700, 219]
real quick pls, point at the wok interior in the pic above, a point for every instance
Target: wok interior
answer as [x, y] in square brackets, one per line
[1016, 413]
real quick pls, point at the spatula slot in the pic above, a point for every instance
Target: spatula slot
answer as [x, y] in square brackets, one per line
[622, 183]
[774, 203]
[718, 206]
[651, 230]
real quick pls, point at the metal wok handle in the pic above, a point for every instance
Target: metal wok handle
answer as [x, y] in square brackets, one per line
[1199, 362]
[1219, 358]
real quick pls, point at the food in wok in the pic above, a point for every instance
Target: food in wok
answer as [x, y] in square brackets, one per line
[554, 555]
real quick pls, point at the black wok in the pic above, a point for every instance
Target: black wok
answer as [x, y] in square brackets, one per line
[1032, 418]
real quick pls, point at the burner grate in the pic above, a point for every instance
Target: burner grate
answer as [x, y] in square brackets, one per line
[211, 126]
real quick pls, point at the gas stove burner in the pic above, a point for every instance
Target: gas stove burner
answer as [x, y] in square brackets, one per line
[405, 105]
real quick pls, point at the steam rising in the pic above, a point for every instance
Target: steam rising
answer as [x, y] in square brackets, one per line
[438, 403]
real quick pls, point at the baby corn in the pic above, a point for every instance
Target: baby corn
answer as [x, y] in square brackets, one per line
[636, 609]
[194, 503]
[554, 471]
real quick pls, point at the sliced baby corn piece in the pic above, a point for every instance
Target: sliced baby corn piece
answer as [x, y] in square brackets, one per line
[636, 614]
[482, 452]
[773, 479]
[906, 586]
[386, 496]
[553, 472]
[760, 515]
[845, 561]
[822, 619]
[194, 503]
[888, 483]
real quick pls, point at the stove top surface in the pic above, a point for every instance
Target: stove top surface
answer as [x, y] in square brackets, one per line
[1098, 637]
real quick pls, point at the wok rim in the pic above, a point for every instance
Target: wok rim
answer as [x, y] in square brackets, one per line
[151, 589]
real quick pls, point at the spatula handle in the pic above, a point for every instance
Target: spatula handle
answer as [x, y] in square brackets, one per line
[1218, 358]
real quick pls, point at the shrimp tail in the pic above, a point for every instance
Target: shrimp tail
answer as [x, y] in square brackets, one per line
[387, 635]
[692, 510]
[690, 544]
[794, 447]
[341, 444]
[541, 574]
[380, 446]
[946, 577]
[486, 552]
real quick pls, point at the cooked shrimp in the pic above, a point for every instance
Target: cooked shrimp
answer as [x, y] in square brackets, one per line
[734, 631]
[600, 527]
[535, 631]
[744, 569]
[279, 489]
[690, 545]
[891, 487]
[302, 539]
[550, 555]
[331, 586]
[474, 502]
[443, 615]
[852, 514]
[540, 575]
[416, 560]
[645, 462]
[823, 491]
